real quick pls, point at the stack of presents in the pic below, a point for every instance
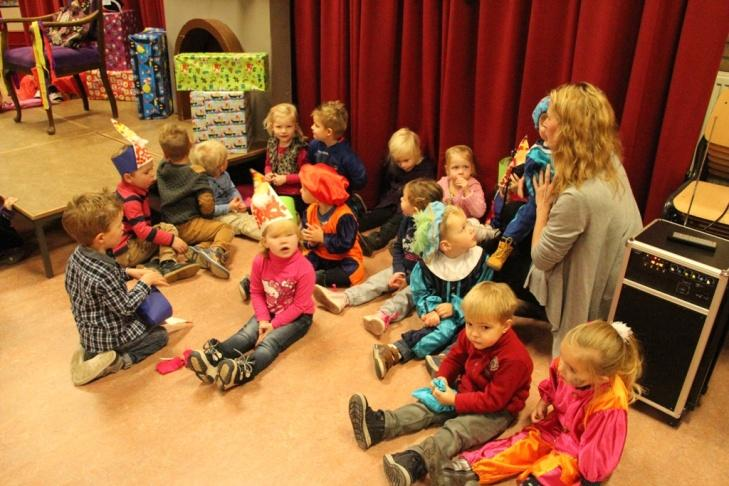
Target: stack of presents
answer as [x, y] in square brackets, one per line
[219, 85]
[137, 65]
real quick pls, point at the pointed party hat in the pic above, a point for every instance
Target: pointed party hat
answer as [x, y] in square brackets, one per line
[135, 157]
[266, 205]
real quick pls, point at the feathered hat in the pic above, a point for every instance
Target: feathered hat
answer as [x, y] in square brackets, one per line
[266, 205]
[134, 157]
[427, 230]
[539, 110]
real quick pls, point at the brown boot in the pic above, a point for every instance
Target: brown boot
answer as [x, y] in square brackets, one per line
[385, 356]
[498, 258]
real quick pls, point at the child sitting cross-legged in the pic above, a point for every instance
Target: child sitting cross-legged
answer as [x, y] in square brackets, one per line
[187, 202]
[112, 336]
[141, 240]
[488, 372]
[331, 227]
[416, 196]
[281, 284]
[452, 264]
[229, 206]
[580, 424]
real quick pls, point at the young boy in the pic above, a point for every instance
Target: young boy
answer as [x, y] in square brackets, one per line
[491, 370]
[188, 202]
[141, 240]
[230, 209]
[329, 147]
[112, 337]
[331, 230]
[452, 264]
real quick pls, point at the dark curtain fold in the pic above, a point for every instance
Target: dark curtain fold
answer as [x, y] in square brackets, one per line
[459, 71]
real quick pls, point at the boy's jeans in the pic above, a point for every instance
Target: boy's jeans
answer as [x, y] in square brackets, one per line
[458, 432]
[145, 345]
[398, 306]
[272, 345]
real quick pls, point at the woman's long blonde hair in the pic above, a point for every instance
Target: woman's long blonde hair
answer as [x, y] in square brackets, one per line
[588, 136]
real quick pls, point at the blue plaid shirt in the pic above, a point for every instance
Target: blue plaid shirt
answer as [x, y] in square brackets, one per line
[101, 304]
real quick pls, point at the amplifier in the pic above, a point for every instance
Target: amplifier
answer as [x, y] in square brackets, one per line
[673, 294]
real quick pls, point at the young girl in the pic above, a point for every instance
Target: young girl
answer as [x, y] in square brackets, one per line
[230, 209]
[582, 437]
[460, 187]
[416, 196]
[281, 284]
[405, 163]
[286, 152]
[331, 227]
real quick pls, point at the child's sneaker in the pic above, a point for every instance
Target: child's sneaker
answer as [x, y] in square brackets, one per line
[211, 259]
[377, 323]
[86, 371]
[368, 425]
[334, 302]
[498, 258]
[385, 356]
[432, 363]
[234, 372]
[404, 468]
[205, 363]
[245, 288]
[173, 271]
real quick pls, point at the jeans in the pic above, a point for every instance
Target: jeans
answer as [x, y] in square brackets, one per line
[275, 342]
[154, 339]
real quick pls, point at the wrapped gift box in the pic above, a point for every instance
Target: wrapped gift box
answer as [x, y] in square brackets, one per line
[222, 116]
[221, 71]
[122, 85]
[151, 73]
[118, 26]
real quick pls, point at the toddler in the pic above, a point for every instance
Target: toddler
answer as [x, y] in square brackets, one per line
[538, 159]
[281, 284]
[187, 202]
[460, 186]
[581, 421]
[331, 227]
[328, 146]
[112, 336]
[230, 209]
[416, 196]
[141, 240]
[405, 163]
[451, 265]
[286, 152]
[488, 372]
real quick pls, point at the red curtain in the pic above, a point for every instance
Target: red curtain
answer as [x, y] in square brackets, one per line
[151, 12]
[467, 71]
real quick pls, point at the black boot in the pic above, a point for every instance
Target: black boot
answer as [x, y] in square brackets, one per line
[368, 425]
[404, 468]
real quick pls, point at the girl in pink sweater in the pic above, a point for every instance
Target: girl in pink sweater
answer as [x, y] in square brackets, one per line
[282, 285]
[460, 186]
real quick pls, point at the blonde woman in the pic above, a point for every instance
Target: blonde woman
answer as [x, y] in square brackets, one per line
[585, 215]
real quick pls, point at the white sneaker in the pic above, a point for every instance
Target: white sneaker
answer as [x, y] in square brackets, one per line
[334, 302]
[86, 371]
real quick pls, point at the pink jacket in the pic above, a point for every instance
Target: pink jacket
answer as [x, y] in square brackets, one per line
[474, 205]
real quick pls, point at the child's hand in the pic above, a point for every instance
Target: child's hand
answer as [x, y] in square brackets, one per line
[269, 177]
[397, 281]
[431, 319]
[516, 185]
[313, 233]
[10, 202]
[179, 245]
[447, 397]
[153, 279]
[279, 179]
[540, 411]
[264, 327]
[444, 310]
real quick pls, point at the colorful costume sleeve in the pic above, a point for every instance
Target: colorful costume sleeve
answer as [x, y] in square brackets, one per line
[258, 295]
[304, 291]
[425, 300]
[602, 443]
[510, 377]
[567, 221]
[343, 240]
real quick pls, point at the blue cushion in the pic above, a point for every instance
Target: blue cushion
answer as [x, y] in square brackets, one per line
[65, 58]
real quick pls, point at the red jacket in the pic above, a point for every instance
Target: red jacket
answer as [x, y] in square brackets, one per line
[137, 218]
[491, 379]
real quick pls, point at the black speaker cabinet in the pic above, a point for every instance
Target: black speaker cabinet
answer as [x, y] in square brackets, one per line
[673, 295]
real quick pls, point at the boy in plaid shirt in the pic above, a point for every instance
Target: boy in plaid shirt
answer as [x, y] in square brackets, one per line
[112, 336]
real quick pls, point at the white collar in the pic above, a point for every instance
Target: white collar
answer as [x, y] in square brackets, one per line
[454, 269]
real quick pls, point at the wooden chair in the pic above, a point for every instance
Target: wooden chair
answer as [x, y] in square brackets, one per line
[65, 61]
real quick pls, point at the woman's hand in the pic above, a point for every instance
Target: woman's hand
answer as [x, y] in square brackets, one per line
[544, 187]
